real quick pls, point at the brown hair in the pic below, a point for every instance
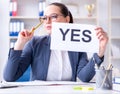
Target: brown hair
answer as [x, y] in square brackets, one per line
[64, 10]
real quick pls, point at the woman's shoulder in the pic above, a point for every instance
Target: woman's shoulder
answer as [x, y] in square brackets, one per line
[35, 38]
[40, 39]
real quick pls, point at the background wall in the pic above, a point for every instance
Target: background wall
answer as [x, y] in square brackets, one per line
[4, 28]
[4, 24]
[103, 21]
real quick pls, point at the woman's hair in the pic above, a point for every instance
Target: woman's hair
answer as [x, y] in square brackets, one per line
[64, 10]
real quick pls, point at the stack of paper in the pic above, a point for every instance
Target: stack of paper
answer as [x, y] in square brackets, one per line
[39, 83]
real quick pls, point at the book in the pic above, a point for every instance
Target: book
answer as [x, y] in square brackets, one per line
[116, 80]
[116, 87]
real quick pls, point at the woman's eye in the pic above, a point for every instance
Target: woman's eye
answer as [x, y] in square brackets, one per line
[44, 18]
[54, 16]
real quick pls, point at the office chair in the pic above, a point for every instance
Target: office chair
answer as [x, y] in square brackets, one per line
[26, 76]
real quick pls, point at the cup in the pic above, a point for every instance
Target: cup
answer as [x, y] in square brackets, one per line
[104, 79]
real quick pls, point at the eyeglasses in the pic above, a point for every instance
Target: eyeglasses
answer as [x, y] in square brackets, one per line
[52, 17]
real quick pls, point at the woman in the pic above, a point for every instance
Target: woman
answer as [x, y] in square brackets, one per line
[49, 65]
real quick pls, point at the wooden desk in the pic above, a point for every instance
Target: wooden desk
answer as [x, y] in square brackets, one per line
[54, 89]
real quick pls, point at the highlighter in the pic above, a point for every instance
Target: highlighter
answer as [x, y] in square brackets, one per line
[83, 88]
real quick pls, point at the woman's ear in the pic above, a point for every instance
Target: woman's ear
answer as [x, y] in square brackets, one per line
[68, 19]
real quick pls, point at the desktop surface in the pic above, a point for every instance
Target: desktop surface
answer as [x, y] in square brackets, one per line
[64, 88]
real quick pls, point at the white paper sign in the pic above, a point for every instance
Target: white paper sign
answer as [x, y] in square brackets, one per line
[74, 37]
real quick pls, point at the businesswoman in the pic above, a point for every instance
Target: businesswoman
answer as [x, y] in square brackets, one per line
[52, 65]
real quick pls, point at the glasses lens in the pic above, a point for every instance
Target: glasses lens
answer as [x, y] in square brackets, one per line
[53, 17]
[42, 18]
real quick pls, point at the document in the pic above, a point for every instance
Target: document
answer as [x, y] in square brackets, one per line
[39, 83]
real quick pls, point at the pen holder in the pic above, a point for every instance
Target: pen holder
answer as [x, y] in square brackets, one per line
[103, 79]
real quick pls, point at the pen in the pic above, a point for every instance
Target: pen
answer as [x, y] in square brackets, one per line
[106, 75]
[36, 27]
[3, 87]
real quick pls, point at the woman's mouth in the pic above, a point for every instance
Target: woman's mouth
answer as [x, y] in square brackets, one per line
[48, 27]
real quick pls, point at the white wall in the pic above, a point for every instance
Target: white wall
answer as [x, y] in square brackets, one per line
[4, 39]
[103, 22]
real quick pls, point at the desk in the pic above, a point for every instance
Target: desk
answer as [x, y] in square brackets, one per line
[53, 89]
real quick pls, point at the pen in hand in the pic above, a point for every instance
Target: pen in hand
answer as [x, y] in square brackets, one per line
[34, 28]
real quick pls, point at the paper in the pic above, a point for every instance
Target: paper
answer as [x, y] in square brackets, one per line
[74, 37]
[39, 83]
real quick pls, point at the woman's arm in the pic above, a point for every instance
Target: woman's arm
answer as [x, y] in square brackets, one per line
[18, 61]
[86, 69]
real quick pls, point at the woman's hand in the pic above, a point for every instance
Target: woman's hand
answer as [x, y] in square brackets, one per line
[23, 37]
[103, 40]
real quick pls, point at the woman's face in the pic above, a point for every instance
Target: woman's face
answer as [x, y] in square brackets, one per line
[53, 14]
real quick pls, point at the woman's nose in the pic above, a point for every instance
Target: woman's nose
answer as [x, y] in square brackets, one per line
[48, 20]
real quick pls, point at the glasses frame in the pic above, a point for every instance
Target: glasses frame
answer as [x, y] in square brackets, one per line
[52, 17]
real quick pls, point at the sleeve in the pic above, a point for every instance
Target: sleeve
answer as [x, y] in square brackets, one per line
[86, 69]
[18, 61]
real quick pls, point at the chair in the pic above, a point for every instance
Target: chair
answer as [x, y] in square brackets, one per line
[26, 76]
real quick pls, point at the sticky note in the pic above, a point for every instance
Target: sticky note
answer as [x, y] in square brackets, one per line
[84, 88]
